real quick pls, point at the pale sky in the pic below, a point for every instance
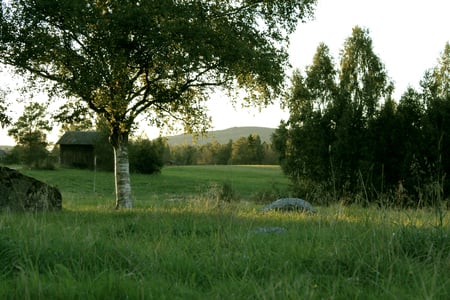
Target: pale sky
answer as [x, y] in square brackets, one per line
[407, 35]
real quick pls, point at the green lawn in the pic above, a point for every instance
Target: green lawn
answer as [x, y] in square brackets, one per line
[181, 243]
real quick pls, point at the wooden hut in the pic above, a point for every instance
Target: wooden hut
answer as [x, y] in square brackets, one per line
[77, 149]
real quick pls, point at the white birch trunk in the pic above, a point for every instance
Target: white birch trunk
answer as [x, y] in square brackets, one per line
[122, 176]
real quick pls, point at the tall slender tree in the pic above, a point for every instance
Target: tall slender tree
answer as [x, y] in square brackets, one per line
[129, 58]
[363, 87]
[303, 141]
[363, 78]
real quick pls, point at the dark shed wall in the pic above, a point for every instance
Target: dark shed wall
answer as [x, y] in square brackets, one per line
[78, 156]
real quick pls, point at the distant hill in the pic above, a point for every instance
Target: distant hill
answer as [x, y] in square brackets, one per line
[222, 136]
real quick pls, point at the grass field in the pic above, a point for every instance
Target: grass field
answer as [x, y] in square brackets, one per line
[174, 183]
[181, 242]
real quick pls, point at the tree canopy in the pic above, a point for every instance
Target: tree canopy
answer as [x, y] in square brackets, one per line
[128, 58]
[348, 140]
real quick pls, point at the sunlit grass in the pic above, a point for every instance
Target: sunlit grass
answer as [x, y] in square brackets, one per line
[177, 182]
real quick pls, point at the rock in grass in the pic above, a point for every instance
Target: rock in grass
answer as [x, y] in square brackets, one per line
[19, 192]
[290, 204]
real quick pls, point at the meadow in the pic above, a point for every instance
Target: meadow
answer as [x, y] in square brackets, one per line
[184, 241]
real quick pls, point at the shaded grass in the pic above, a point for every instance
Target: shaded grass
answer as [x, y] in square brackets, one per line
[201, 248]
[185, 251]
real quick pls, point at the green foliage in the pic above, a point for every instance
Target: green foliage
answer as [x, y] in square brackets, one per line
[247, 151]
[215, 153]
[74, 117]
[243, 151]
[147, 157]
[184, 154]
[33, 123]
[347, 139]
[220, 192]
[270, 193]
[363, 80]
[29, 133]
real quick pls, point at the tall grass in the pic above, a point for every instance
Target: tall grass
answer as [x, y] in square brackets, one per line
[204, 248]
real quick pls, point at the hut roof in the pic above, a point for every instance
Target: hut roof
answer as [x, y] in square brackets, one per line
[79, 138]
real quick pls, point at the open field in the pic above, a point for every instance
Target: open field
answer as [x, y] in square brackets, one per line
[180, 242]
[174, 183]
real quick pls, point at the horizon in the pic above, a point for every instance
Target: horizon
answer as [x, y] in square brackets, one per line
[164, 136]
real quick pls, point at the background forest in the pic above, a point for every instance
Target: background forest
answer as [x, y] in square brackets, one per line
[348, 139]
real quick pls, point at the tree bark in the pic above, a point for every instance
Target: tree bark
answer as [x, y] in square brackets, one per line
[122, 172]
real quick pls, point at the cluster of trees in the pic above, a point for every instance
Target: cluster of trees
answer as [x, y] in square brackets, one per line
[347, 136]
[29, 132]
[244, 151]
[33, 150]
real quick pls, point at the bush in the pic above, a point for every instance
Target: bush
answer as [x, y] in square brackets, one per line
[146, 157]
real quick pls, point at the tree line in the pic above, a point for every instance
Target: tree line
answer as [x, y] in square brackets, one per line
[248, 150]
[347, 139]
[146, 156]
[150, 156]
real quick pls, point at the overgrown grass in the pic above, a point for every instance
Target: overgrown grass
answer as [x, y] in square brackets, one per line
[203, 248]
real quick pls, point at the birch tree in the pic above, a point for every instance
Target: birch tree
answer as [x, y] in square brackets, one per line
[125, 59]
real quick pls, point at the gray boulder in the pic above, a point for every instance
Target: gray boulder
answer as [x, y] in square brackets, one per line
[19, 192]
[290, 204]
